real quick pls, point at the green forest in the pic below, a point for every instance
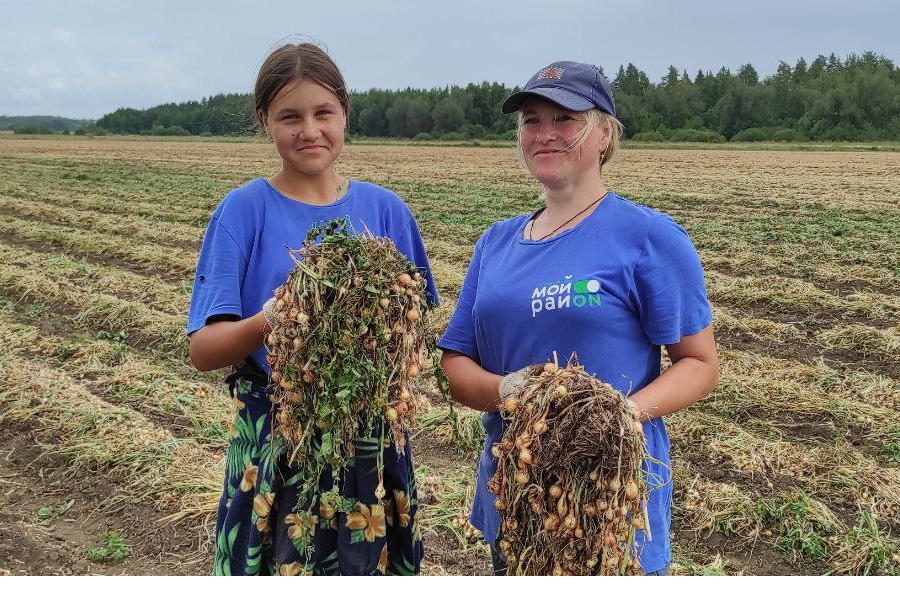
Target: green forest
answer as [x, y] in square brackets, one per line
[854, 99]
[41, 124]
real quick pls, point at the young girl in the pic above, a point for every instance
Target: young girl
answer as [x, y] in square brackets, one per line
[590, 273]
[301, 103]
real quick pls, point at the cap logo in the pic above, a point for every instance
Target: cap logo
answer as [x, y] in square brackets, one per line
[553, 72]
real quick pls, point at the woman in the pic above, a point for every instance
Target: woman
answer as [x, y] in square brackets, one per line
[590, 273]
[301, 103]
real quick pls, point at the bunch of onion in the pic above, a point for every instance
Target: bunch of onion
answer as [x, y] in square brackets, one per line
[352, 333]
[569, 483]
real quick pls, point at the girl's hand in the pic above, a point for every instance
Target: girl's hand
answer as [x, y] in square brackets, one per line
[268, 311]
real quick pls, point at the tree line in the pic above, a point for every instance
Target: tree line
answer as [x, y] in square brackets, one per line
[41, 124]
[857, 98]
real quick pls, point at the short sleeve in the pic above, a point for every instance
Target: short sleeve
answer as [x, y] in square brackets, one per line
[460, 334]
[220, 273]
[670, 291]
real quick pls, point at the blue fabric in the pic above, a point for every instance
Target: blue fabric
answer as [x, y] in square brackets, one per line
[615, 287]
[244, 255]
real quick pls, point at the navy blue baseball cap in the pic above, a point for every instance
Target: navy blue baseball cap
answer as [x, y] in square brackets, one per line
[574, 86]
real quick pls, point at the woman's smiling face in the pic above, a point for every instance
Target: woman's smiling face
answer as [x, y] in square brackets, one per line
[548, 137]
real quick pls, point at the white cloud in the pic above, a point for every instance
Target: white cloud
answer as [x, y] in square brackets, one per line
[27, 93]
[63, 36]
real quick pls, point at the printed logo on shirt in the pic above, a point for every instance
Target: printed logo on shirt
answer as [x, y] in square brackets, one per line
[568, 294]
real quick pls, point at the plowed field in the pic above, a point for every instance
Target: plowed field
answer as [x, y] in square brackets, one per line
[791, 466]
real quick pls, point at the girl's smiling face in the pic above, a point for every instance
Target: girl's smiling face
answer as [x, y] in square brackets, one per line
[306, 122]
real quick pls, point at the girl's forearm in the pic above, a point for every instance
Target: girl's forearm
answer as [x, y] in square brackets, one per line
[470, 385]
[679, 386]
[224, 343]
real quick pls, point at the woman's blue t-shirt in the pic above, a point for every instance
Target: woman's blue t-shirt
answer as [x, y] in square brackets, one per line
[244, 256]
[612, 289]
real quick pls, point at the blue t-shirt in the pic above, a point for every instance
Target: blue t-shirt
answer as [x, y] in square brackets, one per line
[612, 289]
[244, 256]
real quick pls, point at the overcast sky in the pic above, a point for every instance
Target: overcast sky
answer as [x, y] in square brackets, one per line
[84, 59]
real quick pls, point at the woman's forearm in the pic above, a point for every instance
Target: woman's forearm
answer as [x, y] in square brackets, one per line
[679, 386]
[224, 343]
[694, 373]
[470, 385]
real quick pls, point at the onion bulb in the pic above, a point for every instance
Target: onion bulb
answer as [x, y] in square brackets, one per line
[631, 490]
[551, 523]
[561, 509]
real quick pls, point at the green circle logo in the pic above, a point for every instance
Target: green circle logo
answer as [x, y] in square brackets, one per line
[587, 286]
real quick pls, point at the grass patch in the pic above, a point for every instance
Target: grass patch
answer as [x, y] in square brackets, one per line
[45, 513]
[113, 550]
[446, 499]
[803, 524]
[458, 426]
[867, 549]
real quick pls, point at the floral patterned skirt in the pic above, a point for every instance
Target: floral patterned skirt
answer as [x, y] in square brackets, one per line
[259, 531]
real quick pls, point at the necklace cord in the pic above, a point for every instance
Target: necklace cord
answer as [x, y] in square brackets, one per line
[535, 216]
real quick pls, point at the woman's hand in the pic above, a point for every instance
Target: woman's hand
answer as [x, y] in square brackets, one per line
[512, 383]
[694, 374]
